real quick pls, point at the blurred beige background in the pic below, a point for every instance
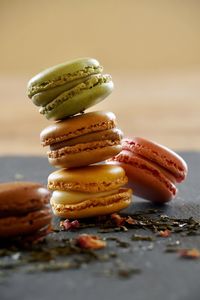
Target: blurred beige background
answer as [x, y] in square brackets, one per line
[151, 49]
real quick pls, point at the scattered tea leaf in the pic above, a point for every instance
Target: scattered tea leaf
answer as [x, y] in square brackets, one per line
[54, 266]
[127, 272]
[119, 242]
[137, 237]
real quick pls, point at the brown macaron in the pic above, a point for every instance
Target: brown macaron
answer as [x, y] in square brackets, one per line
[82, 140]
[24, 208]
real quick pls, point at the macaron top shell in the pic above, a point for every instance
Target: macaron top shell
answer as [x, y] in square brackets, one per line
[156, 153]
[63, 73]
[94, 178]
[21, 197]
[77, 126]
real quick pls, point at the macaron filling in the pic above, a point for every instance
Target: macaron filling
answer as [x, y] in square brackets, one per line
[114, 135]
[92, 82]
[63, 79]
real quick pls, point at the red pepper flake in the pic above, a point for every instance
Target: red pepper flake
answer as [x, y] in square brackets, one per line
[164, 233]
[131, 221]
[190, 253]
[88, 241]
[67, 225]
[118, 220]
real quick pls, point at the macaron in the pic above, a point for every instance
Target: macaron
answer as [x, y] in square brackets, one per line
[24, 208]
[152, 169]
[82, 140]
[90, 191]
[69, 88]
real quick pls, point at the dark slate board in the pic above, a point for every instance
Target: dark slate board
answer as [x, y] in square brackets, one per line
[163, 276]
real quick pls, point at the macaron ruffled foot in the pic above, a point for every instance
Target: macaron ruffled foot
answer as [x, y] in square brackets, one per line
[90, 191]
[152, 169]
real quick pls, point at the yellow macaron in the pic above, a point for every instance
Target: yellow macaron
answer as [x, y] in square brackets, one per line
[90, 191]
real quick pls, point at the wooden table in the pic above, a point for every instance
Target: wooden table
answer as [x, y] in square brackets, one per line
[162, 106]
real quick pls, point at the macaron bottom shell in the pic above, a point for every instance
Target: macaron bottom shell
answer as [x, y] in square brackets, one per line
[13, 226]
[94, 206]
[65, 107]
[148, 185]
[84, 154]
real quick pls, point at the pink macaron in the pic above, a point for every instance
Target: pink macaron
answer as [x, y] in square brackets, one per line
[152, 169]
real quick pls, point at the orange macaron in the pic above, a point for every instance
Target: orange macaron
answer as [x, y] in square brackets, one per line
[152, 169]
[89, 191]
[24, 208]
[82, 140]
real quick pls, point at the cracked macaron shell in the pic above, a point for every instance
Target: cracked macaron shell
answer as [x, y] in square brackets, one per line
[48, 84]
[93, 179]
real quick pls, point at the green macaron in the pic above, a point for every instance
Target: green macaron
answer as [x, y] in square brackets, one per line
[69, 88]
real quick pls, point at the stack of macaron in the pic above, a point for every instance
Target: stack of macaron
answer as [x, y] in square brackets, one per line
[24, 210]
[78, 140]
